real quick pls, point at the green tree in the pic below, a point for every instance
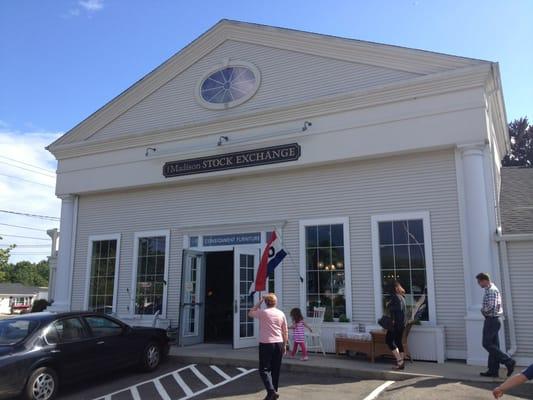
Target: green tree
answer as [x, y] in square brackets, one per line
[521, 153]
[4, 262]
[28, 273]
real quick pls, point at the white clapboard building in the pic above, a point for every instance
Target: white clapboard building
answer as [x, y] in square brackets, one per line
[370, 161]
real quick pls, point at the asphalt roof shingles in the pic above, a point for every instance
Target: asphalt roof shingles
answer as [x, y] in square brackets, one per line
[516, 200]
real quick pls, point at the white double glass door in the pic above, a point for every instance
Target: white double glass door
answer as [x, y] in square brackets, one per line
[245, 263]
[245, 329]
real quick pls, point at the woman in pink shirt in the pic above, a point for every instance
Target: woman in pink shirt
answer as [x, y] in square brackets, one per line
[273, 337]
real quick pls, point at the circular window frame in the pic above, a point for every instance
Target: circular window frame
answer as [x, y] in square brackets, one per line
[234, 103]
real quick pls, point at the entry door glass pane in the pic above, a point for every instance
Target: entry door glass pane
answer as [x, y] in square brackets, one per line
[246, 273]
[102, 278]
[192, 293]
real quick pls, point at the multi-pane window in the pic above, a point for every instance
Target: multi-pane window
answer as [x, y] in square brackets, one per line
[191, 296]
[402, 257]
[150, 275]
[102, 278]
[325, 269]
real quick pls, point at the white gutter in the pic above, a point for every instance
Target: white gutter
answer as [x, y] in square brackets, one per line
[502, 243]
[515, 237]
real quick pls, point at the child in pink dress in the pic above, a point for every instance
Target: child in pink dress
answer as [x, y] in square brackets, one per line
[299, 325]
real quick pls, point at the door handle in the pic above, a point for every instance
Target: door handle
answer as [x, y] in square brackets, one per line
[100, 342]
[55, 351]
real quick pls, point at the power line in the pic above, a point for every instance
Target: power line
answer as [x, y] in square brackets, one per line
[24, 237]
[27, 180]
[29, 165]
[27, 169]
[31, 215]
[24, 227]
[25, 245]
[30, 254]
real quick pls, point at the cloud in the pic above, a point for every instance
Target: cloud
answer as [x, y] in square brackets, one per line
[91, 5]
[27, 185]
[88, 7]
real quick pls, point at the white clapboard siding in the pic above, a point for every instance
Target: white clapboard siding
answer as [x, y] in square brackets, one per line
[358, 190]
[287, 78]
[520, 256]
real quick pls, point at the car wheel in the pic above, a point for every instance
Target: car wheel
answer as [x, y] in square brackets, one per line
[151, 357]
[42, 384]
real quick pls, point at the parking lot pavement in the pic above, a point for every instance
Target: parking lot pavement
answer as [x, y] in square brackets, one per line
[171, 381]
[428, 388]
[177, 381]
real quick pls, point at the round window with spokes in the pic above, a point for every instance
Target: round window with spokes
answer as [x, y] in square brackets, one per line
[228, 86]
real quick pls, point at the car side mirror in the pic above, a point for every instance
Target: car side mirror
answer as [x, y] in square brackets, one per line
[126, 330]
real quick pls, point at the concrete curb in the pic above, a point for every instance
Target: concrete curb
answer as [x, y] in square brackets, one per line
[288, 366]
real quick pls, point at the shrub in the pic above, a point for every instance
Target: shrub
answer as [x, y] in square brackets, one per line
[39, 305]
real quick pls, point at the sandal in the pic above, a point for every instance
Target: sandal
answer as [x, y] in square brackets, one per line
[400, 364]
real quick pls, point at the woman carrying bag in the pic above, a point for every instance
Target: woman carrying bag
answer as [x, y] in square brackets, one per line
[396, 307]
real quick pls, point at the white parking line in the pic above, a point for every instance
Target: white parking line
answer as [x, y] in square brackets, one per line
[376, 392]
[220, 372]
[135, 393]
[180, 382]
[161, 390]
[206, 381]
[186, 389]
[220, 383]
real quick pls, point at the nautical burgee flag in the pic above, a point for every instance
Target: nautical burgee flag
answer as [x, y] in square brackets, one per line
[272, 256]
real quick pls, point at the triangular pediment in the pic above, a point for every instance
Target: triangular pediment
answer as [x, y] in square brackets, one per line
[295, 68]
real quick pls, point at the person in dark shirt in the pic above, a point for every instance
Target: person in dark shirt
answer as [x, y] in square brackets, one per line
[396, 308]
[513, 381]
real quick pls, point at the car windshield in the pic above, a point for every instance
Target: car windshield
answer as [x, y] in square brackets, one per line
[13, 331]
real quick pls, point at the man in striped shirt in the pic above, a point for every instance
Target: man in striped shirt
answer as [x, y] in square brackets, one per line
[491, 309]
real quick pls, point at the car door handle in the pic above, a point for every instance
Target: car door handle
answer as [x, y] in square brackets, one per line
[100, 342]
[55, 351]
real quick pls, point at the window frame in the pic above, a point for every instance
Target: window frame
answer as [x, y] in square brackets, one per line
[430, 284]
[345, 221]
[134, 272]
[98, 238]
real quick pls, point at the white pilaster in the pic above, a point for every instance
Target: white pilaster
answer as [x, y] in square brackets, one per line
[478, 238]
[63, 271]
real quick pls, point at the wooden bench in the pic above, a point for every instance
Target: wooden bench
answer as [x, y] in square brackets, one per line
[374, 348]
[344, 344]
[380, 347]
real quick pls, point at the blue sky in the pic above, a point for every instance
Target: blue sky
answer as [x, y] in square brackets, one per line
[61, 60]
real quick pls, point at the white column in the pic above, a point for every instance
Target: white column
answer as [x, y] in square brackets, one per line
[63, 271]
[478, 238]
[52, 262]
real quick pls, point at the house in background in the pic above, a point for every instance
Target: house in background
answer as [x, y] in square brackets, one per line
[16, 297]
[372, 162]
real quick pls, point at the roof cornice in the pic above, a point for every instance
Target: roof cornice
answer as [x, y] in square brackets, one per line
[435, 84]
[393, 57]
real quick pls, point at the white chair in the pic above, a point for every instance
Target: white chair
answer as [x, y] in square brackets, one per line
[313, 340]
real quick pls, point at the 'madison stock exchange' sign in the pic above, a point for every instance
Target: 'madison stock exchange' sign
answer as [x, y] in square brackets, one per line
[241, 159]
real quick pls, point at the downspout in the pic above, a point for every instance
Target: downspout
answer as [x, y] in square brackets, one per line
[502, 243]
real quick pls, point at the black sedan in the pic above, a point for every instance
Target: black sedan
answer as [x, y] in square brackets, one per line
[40, 350]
